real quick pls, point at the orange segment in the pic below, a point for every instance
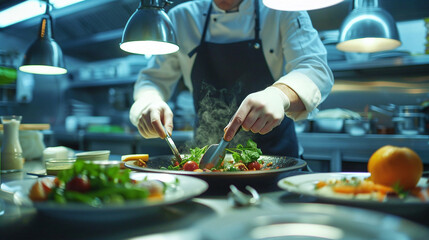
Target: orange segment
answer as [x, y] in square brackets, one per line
[131, 157]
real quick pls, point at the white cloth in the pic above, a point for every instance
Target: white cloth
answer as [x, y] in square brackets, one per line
[292, 48]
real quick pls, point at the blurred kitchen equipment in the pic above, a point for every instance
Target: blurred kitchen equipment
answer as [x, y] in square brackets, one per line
[357, 127]
[333, 120]
[172, 146]
[32, 144]
[58, 152]
[407, 119]
[11, 151]
[328, 125]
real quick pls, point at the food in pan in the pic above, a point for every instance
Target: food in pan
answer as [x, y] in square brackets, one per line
[395, 173]
[95, 185]
[244, 158]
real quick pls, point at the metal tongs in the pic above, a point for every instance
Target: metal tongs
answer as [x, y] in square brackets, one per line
[172, 145]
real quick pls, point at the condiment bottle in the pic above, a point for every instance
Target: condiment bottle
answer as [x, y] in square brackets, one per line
[11, 151]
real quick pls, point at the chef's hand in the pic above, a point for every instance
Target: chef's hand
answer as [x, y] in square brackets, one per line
[153, 115]
[259, 112]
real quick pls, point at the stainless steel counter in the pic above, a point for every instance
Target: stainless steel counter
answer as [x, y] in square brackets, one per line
[333, 147]
[338, 148]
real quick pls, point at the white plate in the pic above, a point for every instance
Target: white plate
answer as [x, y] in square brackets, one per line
[186, 188]
[304, 184]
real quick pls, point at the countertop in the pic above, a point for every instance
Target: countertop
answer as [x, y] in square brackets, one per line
[335, 147]
[168, 222]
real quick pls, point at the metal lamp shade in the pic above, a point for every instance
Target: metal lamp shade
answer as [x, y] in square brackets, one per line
[299, 5]
[367, 30]
[149, 31]
[44, 57]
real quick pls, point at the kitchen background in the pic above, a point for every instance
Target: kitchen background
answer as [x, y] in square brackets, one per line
[88, 107]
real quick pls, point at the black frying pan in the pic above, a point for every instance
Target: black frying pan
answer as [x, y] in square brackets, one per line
[262, 180]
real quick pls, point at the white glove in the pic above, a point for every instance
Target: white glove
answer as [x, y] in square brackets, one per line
[259, 112]
[149, 114]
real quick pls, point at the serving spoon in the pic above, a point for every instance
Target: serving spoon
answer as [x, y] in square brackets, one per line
[214, 155]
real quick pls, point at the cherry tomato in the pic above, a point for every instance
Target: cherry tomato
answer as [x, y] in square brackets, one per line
[254, 166]
[79, 184]
[190, 166]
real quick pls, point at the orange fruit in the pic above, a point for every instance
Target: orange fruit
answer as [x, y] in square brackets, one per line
[391, 165]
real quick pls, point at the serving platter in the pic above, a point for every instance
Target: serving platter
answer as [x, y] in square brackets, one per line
[220, 181]
[410, 207]
[181, 188]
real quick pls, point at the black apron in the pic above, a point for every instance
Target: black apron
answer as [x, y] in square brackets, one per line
[222, 76]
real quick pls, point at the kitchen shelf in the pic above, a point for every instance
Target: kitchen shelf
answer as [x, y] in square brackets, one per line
[420, 62]
[104, 82]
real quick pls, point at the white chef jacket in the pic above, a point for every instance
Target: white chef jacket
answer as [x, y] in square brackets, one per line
[292, 49]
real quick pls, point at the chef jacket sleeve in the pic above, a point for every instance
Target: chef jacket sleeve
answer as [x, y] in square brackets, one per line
[308, 73]
[155, 83]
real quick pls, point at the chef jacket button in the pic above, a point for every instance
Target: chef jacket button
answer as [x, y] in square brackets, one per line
[271, 50]
[257, 46]
[215, 19]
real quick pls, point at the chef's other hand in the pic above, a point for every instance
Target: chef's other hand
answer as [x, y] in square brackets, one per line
[259, 112]
[154, 114]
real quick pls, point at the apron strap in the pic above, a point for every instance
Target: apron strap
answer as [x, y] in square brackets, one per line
[206, 24]
[257, 26]
[203, 37]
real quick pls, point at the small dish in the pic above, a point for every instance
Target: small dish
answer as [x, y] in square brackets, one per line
[94, 155]
[54, 166]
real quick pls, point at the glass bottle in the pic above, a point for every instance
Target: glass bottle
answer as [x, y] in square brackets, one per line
[11, 151]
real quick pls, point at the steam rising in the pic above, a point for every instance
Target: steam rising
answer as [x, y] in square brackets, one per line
[214, 114]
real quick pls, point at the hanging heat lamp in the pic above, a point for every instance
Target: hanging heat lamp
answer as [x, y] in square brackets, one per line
[44, 56]
[368, 28]
[149, 30]
[299, 5]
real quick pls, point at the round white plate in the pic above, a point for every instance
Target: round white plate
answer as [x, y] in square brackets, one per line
[185, 188]
[305, 184]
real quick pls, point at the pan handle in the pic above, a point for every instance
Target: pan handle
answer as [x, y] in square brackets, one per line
[381, 110]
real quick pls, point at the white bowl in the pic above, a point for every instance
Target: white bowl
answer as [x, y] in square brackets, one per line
[93, 155]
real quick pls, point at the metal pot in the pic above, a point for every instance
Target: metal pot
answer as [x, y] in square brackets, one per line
[358, 127]
[407, 119]
[410, 124]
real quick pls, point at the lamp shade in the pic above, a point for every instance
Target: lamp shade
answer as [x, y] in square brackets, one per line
[368, 28]
[299, 5]
[44, 56]
[149, 31]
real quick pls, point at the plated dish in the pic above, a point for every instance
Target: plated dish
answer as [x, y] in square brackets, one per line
[309, 185]
[181, 188]
[260, 179]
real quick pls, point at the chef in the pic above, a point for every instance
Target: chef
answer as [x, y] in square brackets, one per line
[247, 66]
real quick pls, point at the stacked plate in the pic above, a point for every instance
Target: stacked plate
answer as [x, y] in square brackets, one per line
[94, 155]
